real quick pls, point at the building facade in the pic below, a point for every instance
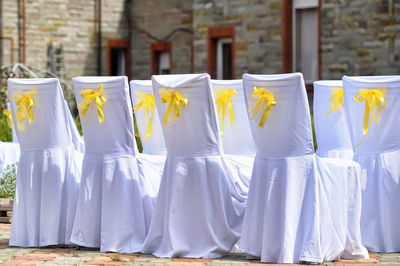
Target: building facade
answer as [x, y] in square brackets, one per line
[324, 39]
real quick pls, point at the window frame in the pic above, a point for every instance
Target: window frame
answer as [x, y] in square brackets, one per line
[158, 47]
[119, 43]
[288, 10]
[214, 34]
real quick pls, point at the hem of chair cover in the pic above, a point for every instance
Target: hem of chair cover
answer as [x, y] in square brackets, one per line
[156, 254]
[48, 243]
[280, 260]
[382, 250]
[375, 152]
[84, 244]
[115, 250]
[258, 156]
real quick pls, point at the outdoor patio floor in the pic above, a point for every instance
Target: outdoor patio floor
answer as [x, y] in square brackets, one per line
[71, 256]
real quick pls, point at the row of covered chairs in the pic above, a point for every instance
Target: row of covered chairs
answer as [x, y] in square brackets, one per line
[295, 207]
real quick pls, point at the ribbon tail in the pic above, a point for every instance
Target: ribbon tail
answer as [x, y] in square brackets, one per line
[366, 119]
[148, 131]
[166, 115]
[265, 116]
[231, 114]
[100, 112]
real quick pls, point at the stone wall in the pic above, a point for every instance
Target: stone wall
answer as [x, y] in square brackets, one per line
[360, 37]
[258, 44]
[70, 24]
[155, 21]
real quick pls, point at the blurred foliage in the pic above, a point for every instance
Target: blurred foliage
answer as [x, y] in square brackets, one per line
[5, 130]
[313, 133]
[8, 181]
[138, 140]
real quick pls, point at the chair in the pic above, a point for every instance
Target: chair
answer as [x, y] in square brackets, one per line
[237, 138]
[198, 211]
[283, 214]
[148, 123]
[49, 168]
[117, 191]
[343, 193]
[237, 141]
[331, 127]
[375, 136]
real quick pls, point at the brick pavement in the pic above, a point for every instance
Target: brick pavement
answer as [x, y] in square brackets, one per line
[71, 256]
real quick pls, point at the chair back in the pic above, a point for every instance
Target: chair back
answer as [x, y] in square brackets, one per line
[114, 134]
[237, 139]
[154, 143]
[195, 131]
[330, 121]
[384, 136]
[38, 104]
[287, 130]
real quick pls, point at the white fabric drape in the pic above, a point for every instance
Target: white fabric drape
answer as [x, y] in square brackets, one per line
[154, 150]
[9, 154]
[342, 192]
[49, 168]
[283, 222]
[237, 141]
[118, 190]
[379, 156]
[331, 130]
[199, 208]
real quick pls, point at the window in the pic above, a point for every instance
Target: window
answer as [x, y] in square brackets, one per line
[224, 58]
[221, 59]
[161, 58]
[301, 38]
[118, 57]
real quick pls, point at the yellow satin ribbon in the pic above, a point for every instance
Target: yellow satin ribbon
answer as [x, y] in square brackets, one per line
[259, 98]
[373, 99]
[174, 100]
[24, 101]
[146, 102]
[7, 113]
[336, 100]
[88, 96]
[224, 102]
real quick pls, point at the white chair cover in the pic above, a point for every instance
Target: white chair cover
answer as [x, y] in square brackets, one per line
[379, 157]
[154, 150]
[49, 168]
[237, 140]
[195, 214]
[14, 135]
[331, 130]
[118, 190]
[282, 219]
[9, 154]
[343, 193]
[77, 140]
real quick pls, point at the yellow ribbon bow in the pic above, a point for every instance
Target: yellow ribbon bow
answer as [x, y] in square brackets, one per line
[259, 98]
[373, 98]
[224, 101]
[7, 113]
[24, 101]
[88, 96]
[174, 99]
[336, 100]
[147, 102]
